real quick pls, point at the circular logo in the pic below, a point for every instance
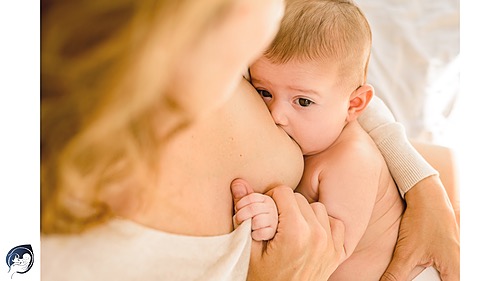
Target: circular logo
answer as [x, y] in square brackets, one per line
[20, 259]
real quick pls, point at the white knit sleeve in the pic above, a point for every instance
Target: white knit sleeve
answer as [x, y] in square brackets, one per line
[406, 165]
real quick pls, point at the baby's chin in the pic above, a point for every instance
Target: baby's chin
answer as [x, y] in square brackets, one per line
[310, 151]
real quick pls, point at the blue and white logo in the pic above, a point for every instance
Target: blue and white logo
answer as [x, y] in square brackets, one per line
[20, 259]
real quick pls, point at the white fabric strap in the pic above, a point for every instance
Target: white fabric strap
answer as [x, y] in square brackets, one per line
[407, 166]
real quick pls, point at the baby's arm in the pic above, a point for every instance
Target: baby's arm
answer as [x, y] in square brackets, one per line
[407, 166]
[428, 231]
[263, 212]
[348, 188]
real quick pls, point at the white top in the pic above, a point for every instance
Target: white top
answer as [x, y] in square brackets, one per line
[124, 250]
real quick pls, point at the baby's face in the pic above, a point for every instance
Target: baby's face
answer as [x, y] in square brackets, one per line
[306, 99]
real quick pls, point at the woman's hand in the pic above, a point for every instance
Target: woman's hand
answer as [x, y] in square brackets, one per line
[303, 247]
[428, 235]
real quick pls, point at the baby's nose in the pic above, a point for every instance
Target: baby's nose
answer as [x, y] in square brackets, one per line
[278, 112]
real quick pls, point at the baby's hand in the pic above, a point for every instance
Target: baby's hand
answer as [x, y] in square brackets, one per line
[263, 210]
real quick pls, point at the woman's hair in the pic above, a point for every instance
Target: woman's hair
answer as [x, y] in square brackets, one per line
[105, 70]
[333, 30]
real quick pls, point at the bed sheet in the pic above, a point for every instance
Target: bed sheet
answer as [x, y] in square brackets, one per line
[414, 65]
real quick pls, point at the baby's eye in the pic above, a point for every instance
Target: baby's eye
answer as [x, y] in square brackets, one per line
[264, 93]
[304, 102]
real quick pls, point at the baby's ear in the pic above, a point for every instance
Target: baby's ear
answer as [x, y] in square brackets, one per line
[358, 101]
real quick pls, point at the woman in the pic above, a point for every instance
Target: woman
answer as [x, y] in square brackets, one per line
[145, 123]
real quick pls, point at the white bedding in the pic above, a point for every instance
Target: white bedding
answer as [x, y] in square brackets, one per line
[414, 64]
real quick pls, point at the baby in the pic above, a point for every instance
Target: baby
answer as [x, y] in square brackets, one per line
[313, 80]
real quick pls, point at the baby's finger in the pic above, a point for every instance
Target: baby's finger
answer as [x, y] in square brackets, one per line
[250, 199]
[263, 234]
[264, 220]
[249, 211]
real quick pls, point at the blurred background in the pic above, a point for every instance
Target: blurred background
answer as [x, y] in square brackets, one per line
[414, 65]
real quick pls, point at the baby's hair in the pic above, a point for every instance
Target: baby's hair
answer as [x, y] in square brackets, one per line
[334, 30]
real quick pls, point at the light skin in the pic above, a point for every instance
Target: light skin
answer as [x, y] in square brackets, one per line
[226, 114]
[190, 195]
[286, 110]
[294, 212]
[303, 99]
[426, 222]
[344, 169]
[210, 81]
[208, 78]
[429, 215]
[302, 111]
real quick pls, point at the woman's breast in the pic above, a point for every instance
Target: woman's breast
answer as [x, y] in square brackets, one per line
[268, 156]
[239, 140]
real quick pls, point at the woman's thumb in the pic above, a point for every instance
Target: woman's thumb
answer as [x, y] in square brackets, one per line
[239, 189]
[399, 268]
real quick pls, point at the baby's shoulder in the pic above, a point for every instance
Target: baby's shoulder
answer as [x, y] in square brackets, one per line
[353, 148]
[356, 142]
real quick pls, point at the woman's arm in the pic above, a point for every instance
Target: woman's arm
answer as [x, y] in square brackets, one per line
[429, 233]
[412, 162]
[443, 159]
[407, 166]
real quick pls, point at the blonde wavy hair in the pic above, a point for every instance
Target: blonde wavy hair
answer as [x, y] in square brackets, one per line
[105, 69]
[333, 30]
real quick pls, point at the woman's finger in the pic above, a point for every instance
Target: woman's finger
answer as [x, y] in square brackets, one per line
[239, 189]
[320, 212]
[399, 268]
[305, 208]
[284, 198]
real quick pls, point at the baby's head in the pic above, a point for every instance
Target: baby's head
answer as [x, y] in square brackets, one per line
[335, 31]
[311, 75]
